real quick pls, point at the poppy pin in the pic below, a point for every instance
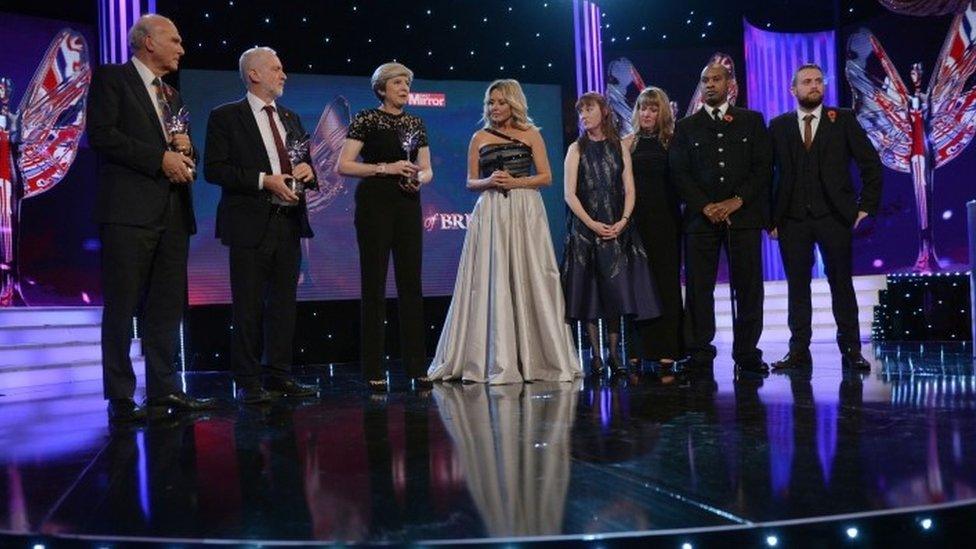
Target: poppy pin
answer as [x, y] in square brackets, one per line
[727, 118]
[832, 115]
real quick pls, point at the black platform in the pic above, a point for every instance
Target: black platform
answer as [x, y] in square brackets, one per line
[698, 458]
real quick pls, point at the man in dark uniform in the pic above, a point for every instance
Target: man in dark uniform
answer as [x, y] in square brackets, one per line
[720, 162]
[814, 203]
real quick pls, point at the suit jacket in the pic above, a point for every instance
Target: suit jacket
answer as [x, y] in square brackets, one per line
[839, 138]
[234, 157]
[124, 130]
[712, 161]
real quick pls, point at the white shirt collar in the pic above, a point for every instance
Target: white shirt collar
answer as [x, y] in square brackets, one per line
[145, 73]
[800, 113]
[723, 108]
[257, 104]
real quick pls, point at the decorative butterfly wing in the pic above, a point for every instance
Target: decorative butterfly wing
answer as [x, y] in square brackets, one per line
[624, 84]
[725, 60]
[880, 100]
[325, 146]
[953, 110]
[52, 113]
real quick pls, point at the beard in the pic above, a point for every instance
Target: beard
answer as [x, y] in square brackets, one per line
[809, 103]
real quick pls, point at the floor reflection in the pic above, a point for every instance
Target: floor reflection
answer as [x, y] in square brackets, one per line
[650, 451]
[514, 446]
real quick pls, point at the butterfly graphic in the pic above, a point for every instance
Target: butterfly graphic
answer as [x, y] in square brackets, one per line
[39, 141]
[917, 131]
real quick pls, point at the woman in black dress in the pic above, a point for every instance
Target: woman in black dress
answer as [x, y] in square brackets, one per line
[657, 216]
[388, 149]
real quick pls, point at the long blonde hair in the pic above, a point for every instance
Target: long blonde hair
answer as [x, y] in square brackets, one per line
[654, 97]
[512, 93]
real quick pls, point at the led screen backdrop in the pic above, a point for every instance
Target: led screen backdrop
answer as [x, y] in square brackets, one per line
[451, 111]
[47, 171]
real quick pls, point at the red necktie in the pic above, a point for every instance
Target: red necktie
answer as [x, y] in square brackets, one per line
[279, 145]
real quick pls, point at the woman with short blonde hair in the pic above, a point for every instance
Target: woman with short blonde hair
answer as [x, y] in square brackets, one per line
[388, 149]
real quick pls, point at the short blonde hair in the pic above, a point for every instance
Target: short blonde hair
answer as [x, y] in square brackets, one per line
[512, 93]
[386, 72]
[656, 97]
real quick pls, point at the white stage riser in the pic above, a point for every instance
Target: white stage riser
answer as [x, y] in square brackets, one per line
[23, 335]
[50, 316]
[68, 372]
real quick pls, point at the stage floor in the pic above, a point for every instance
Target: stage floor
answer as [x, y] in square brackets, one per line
[629, 456]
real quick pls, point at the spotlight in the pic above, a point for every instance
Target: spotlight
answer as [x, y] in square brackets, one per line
[852, 532]
[772, 541]
[926, 523]
[687, 545]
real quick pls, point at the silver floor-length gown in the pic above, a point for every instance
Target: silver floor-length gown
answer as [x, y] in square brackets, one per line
[507, 321]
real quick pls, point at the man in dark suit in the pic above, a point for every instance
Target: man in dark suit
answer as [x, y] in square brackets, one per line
[261, 219]
[720, 163]
[145, 211]
[814, 203]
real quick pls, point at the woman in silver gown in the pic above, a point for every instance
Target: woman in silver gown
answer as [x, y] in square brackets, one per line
[507, 322]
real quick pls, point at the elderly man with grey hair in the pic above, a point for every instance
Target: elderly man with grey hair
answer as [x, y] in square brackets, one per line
[261, 217]
[145, 211]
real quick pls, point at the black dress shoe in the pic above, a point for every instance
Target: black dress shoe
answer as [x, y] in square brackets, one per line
[794, 360]
[421, 382]
[854, 361]
[752, 366]
[254, 395]
[124, 410]
[287, 387]
[180, 402]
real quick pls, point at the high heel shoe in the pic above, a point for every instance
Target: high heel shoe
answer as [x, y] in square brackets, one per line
[615, 365]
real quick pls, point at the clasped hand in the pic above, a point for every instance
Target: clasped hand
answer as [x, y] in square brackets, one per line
[177, 167]
[408, 172]
[718, 212]
[608, 232]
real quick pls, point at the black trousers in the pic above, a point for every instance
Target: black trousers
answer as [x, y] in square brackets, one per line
[832, 235]
[144, 265]
[743, 247]
[389, 220]
[264, 286]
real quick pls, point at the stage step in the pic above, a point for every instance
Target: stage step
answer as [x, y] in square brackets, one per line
[46, 345]
[49, 316]
[53, 333]
[775, 308]
[65, 372]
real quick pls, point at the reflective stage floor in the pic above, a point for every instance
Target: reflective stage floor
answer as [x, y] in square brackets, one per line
[659, 457]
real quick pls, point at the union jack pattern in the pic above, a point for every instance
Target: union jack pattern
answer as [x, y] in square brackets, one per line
[39, 141]
[917, 131]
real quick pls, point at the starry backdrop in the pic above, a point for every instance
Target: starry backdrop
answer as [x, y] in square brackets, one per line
[531, 40]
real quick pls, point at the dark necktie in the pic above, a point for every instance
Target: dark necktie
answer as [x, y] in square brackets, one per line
[808, 131]
[279, 145]
[161, 99]
[717, 115]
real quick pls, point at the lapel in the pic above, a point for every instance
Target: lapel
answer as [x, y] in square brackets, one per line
[825, 128]
[142, 97]
[794, 139]
[253, 133]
